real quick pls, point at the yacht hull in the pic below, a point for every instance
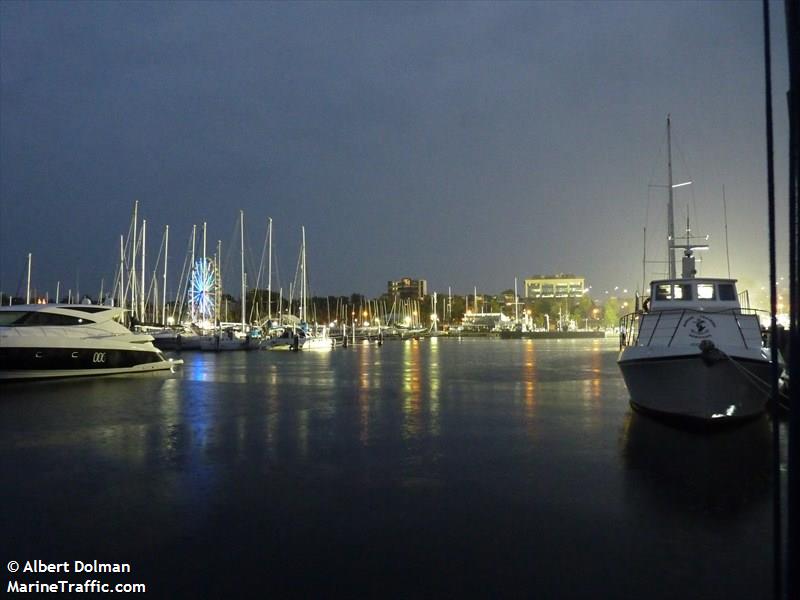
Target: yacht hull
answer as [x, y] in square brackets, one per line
[45, 363]
[695, 387]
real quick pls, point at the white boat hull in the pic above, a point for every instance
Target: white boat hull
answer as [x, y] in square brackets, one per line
[695, 387]
[169, 365]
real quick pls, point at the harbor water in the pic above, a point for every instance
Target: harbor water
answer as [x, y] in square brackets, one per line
[434, 467]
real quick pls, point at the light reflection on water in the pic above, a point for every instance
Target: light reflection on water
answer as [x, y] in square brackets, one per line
[412, 388]
[485, 450]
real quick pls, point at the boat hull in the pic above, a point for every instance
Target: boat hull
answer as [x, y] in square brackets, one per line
[694, 387]
[44, 363]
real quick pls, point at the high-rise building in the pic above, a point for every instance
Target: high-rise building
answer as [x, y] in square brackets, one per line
[407, 288]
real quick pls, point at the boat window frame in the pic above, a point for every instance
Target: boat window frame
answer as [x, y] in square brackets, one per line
[728, 287]
[685, 290]
[707, 286]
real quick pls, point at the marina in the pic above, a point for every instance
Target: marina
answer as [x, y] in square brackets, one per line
[381, 299]
[435, 466]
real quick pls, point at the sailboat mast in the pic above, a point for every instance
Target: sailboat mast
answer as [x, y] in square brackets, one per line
[133, 252]
[218, 289]
[164, 286]
[121, 274]
[303, 276]
[28, 293]
[142, 290]
[191, 273]
[241, 236]
[269, 274]
[670, 207]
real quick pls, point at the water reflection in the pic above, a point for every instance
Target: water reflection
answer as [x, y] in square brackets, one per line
[708, 473]
[433, 385]
[412, 387]
[595, 382]
[529, 383]
[367, 371]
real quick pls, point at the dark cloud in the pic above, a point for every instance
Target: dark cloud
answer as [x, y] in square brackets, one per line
[465, 143]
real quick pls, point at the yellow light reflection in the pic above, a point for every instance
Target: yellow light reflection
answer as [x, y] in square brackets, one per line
[529, 382]
[433, 385]
[412, 426]
[364, 386]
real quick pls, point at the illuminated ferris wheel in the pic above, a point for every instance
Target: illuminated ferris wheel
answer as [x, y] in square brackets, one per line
[203, 290]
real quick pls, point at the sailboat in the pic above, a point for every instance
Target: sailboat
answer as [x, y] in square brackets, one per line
[693, 351]
[231, 338]
[303, 336]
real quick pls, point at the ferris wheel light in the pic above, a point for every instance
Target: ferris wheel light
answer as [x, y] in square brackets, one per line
[202, 290]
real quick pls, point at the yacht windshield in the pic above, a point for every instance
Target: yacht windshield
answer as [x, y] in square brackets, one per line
[10, 317]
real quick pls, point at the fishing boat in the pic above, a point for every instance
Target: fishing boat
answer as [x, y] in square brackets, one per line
[695, 352]
[692, 350]
[47, 340]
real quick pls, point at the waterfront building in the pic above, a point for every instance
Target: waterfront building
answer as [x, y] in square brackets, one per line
[554, 286]
[408, 289]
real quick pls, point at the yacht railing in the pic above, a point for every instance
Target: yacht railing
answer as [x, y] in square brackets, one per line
[668, 322]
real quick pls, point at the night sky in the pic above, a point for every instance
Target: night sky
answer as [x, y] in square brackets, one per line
[462, 143]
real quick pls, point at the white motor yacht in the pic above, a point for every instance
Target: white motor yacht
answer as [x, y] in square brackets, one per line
[48, 340]
[694, 352]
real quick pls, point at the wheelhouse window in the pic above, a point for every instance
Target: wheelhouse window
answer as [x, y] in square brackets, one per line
[663, 291]
[683, 292]
[667, 291]
[727, 292]
[705, 291]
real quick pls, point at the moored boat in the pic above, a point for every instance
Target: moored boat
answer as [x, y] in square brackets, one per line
[696, 353]
[47, 340]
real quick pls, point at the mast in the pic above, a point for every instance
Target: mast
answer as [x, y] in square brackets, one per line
[644, 261]
[449, 304]
[670, 207]
[303, 290]
[142, 291]
[133, 251]
[164, 286]
[28, 293]
[269, 273]
[121, 274]
[191, 273]
[218, 290]
[516, 302]
[241, 236]
[725, 213]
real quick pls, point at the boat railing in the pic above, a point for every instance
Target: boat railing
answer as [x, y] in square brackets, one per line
[667, 323]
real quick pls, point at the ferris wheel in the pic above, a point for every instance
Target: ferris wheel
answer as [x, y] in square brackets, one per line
[203, 290]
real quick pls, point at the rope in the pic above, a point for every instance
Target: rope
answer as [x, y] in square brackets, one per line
[766, 386]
